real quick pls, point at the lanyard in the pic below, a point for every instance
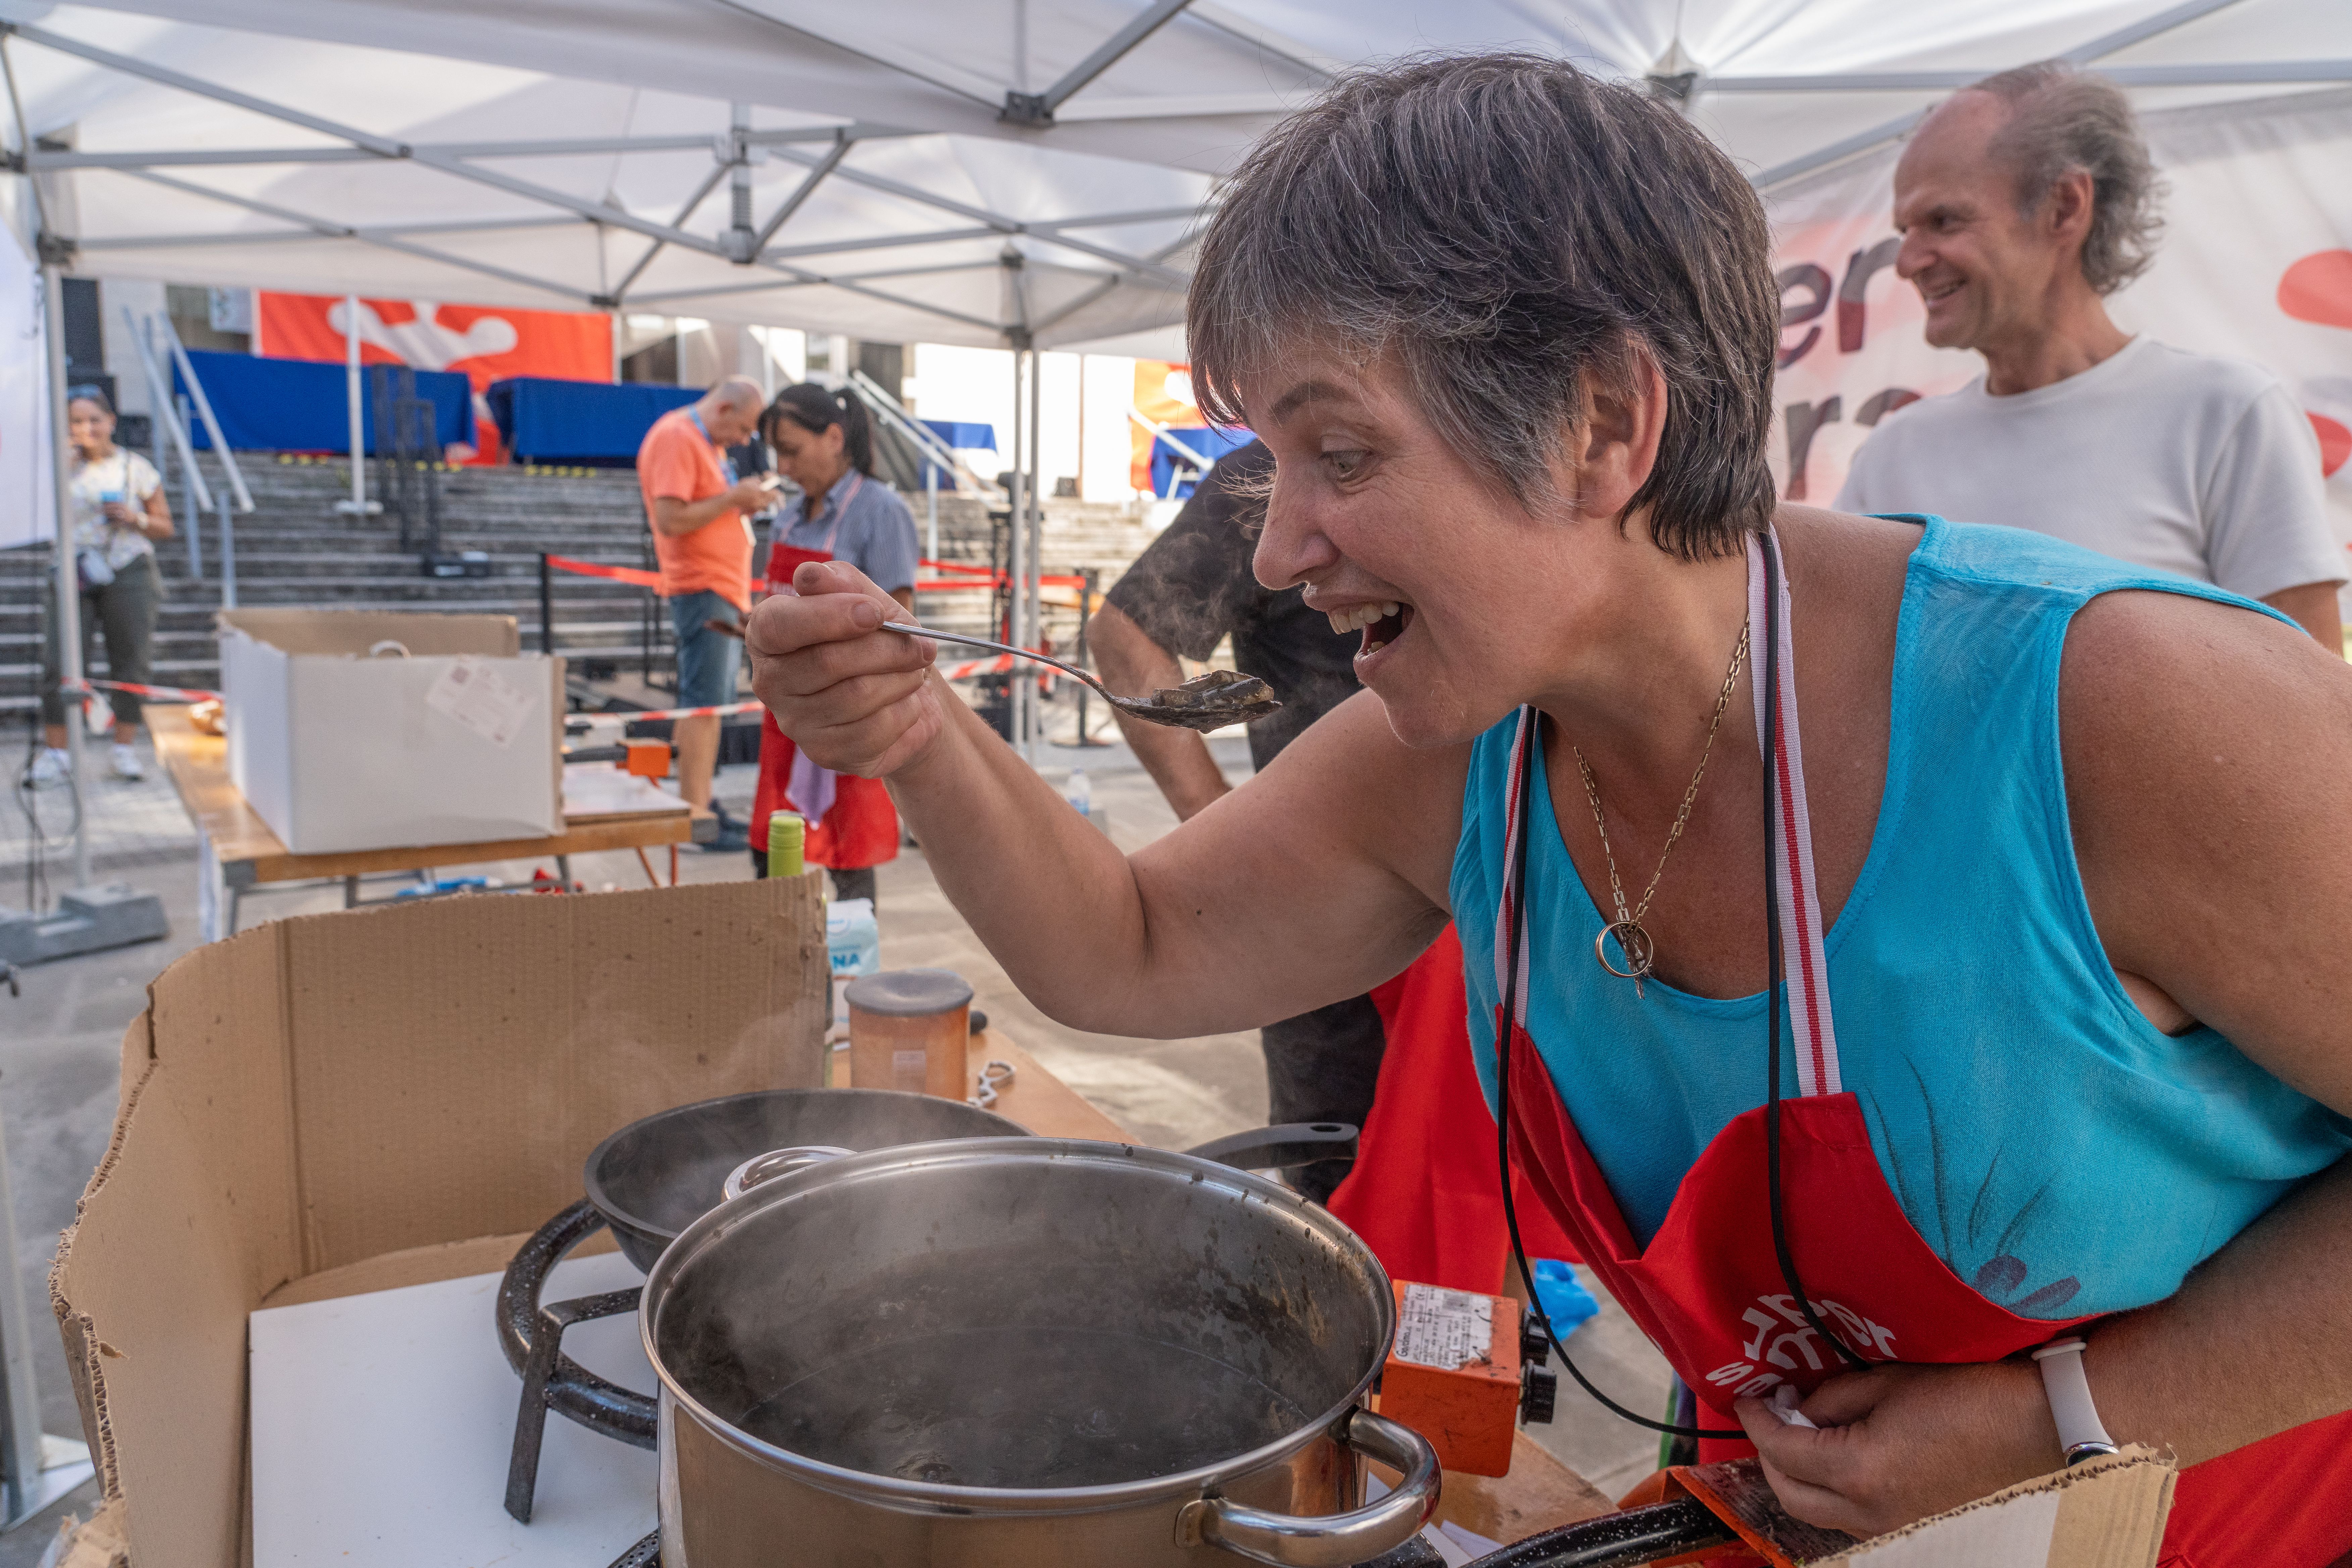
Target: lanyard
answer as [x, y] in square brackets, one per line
[1788, 842]
[726, 461]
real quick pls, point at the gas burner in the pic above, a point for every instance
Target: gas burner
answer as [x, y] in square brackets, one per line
[532, 1337]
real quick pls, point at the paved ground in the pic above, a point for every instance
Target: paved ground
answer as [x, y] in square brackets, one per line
[60, 1046]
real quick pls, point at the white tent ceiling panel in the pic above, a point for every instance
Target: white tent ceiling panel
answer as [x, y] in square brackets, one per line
[901, 233]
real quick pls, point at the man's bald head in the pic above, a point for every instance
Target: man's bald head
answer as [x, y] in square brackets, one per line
[731, 410]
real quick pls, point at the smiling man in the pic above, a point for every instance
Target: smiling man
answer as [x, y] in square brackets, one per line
[2023, 202]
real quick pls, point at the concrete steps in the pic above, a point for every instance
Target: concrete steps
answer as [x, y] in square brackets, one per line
[295, 550]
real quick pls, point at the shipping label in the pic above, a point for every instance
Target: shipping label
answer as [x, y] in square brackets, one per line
[473, 692]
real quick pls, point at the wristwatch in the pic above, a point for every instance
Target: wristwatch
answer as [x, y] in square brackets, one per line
[2080, 1433]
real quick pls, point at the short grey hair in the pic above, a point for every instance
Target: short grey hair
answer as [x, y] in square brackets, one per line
[2063, 120]
[1500, 227]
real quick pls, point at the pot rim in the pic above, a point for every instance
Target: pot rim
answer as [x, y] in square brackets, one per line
[615, 1214]
[926, 1497]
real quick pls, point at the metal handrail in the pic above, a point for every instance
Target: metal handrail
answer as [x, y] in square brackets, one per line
[205, 412]
[926, 440]
[160, 395]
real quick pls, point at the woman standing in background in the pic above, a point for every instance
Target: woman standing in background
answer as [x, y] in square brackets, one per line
[118, 514]
[824, 442]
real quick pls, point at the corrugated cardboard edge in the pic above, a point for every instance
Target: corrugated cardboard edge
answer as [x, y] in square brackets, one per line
[225, 1018]
[97, 1543]
[2111, 1513]
[85, 1352]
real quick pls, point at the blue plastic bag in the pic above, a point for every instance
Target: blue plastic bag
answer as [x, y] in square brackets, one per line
[1565, 1300]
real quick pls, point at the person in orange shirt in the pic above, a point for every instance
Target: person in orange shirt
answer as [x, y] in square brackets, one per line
[700, 514]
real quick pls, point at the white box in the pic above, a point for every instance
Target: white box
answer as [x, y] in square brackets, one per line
[338, 748]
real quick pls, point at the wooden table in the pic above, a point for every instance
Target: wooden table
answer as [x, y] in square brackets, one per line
[237, 852]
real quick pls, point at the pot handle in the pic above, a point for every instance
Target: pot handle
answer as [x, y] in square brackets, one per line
[1281, 1146]
[763, 1168]
[1333, 1540]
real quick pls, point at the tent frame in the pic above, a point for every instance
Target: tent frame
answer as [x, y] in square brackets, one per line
[743, 243]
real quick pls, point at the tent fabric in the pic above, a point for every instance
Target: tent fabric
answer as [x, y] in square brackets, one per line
[298, 405]
[946, 220]
[542, 420]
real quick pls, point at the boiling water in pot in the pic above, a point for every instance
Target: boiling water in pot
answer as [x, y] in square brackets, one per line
[1011, 1407]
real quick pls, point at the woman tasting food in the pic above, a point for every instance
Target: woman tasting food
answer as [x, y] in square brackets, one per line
[120, 512]
[2058, 870]
[824, 442]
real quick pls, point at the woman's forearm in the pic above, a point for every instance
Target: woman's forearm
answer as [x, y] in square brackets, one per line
[1048, 895]
[2257, 1340]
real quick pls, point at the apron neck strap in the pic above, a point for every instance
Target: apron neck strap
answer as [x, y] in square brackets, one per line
[1804, 965]
[840, 497]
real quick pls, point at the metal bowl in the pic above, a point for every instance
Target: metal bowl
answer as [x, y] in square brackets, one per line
[656, 1176]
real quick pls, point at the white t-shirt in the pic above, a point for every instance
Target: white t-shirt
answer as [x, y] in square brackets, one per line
[121, 476]
[2193, 465]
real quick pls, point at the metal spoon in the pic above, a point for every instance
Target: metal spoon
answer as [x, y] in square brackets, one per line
[1208, 701]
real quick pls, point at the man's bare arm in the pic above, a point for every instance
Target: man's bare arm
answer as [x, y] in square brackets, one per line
[2313, 607]
[1132, 665]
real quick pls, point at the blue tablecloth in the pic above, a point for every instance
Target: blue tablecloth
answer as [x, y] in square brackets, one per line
[299, 405]
[1210, 444]
[542, 420]
[960, 435]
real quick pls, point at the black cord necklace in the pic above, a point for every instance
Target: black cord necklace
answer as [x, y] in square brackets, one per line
[1508, 1022]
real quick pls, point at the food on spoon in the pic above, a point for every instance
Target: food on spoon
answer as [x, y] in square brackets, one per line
[1212, 701]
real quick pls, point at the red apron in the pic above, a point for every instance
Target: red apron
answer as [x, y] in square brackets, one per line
[861, 827]
[1709, 1291]
[1422, 1194]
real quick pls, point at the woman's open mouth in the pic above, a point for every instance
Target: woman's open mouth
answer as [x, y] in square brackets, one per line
[1381, 624]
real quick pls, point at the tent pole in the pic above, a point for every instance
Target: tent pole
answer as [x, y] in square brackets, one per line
[1036, 527]
[358, 505]
[68, 610]
[1017, 563]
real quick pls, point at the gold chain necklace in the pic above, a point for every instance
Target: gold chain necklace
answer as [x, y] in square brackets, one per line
[1633, 940]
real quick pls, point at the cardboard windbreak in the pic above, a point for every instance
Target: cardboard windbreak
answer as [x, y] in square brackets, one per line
[367, 1100]
[338, 750]
[2104, 1513]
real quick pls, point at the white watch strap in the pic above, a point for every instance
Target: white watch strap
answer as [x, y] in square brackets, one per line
[2080, 1433]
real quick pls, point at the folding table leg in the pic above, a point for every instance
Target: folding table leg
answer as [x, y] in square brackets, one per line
[648, 865]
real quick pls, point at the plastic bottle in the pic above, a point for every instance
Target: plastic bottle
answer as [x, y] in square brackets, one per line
[1079, 793]
[786, 835]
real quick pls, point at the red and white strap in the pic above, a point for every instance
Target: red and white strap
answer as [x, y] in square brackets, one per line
[1514, 805]
[1804, 965]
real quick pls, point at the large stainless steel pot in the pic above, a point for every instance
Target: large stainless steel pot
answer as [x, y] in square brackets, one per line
[1023, 1353]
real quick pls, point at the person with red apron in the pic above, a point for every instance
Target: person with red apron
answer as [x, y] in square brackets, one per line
[1713, 1279]
[2036, 918]
[824, 442]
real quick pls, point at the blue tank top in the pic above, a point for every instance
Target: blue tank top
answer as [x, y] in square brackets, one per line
[2057, 1150]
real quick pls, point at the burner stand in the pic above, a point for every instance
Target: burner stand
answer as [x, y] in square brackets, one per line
[531, 1335]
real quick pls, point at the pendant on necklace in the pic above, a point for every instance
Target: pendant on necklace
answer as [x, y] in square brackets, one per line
[1641, 956]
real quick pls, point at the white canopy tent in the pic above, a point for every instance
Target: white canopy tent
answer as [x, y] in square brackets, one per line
[1008, 173]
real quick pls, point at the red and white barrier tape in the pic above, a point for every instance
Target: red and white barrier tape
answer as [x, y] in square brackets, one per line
[596, 568]
[151, 693]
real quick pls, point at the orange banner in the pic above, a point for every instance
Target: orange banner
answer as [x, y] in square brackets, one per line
[485, 342]
[1163, 392]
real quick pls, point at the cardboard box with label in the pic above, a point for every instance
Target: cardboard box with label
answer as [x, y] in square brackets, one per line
[377, 730]
[359, 1102]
